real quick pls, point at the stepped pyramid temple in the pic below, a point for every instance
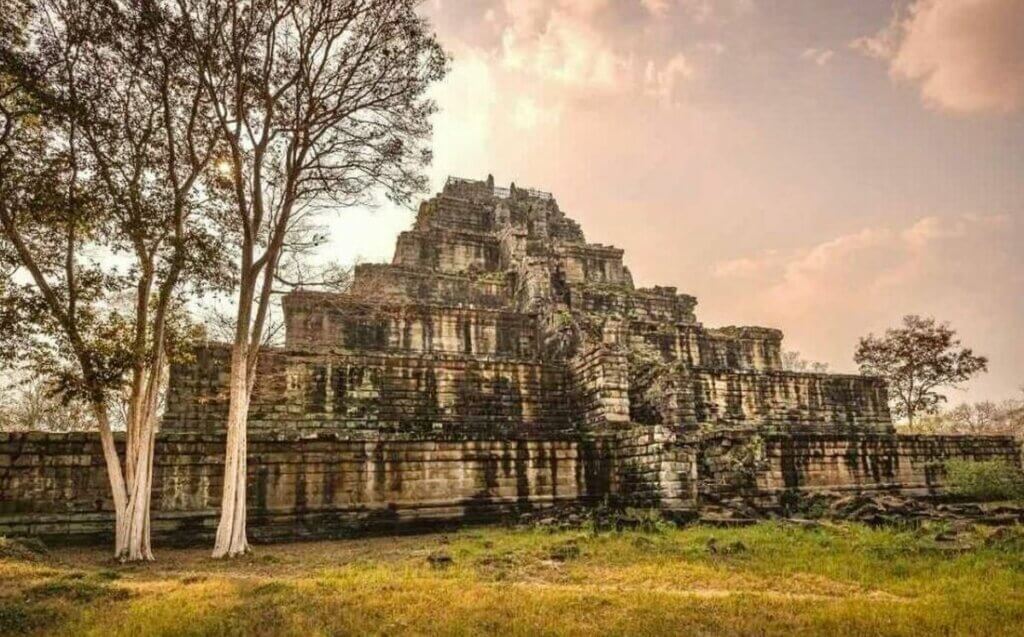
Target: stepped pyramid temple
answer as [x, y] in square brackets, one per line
[500, 363]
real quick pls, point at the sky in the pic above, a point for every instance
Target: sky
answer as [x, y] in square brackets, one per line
[820, 166]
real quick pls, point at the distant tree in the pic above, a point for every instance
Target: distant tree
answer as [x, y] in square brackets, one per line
[793, 361]
[983, 417]
[1005, 418]
[31, 403]
[321, 104]
[918, 359]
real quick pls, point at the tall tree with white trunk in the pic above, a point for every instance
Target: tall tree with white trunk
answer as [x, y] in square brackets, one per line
[105, 145]
[322, 104]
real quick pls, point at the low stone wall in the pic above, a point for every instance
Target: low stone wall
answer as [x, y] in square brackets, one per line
[766, 466]
[55, 485]
[913, 464]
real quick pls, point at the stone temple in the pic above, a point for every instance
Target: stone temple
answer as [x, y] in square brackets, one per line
[499, 363]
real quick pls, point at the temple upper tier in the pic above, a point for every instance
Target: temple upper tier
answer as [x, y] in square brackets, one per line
[496, 315]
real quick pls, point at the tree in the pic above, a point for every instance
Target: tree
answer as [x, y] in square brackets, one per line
[794, 361]
[30, 403]
[321, 104]
[104, 147]
[1005, 418]
[918, 360]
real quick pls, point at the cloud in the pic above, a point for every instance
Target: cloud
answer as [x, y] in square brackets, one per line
[590, 45]
[561, 45]
[657, 7]
[963, 268]
[528, 114]
[821, 57]
[966, 56]
[712, 46]
[466, 123]
[705, 11]
[663, 82]
[878, 260]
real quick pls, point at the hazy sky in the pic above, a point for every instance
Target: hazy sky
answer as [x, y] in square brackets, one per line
[820, 166]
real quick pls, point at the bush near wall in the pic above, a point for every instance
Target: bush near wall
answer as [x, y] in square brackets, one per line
[984, 480]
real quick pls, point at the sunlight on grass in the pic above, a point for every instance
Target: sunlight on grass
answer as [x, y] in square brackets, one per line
[766, 579]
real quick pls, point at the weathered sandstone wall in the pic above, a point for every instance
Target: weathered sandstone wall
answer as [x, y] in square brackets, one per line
[374, 392]
[779, 400]
[338, 321]
[55, 485]
[765, 466]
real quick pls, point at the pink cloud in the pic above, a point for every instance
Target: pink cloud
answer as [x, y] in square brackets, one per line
[965, 56]
[821, 57]
[962, 268]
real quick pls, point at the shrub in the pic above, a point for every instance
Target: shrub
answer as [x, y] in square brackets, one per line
[984, 480]
[20, 617]
[27, 549]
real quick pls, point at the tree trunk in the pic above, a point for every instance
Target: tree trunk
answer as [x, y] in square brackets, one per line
[140, 495]
[118, 490]
[231, 538]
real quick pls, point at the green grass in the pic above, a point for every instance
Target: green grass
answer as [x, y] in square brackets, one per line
[769, 579]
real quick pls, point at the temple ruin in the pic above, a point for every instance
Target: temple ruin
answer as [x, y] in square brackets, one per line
[499, 363]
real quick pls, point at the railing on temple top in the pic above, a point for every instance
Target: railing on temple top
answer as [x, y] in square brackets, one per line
[539, 194]
[497, 191]
[462, 181]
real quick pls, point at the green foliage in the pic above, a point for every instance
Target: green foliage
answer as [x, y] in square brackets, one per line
[608, 519]
[77, 589]
[562, 319]
[984, 480]
[918, 360]
[645, 520]
[21, 617]
[104, 212]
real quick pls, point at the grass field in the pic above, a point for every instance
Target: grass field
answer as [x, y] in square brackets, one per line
[769, 579]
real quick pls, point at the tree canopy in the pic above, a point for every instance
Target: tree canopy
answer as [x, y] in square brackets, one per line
[918, 359]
